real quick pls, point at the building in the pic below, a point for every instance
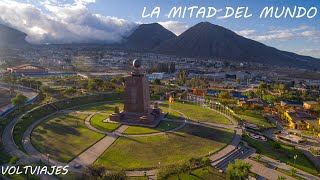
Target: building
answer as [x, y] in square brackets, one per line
[251, 103]
[310, 104]
[27, 68]
[299, 119]
[290, 104]
[199, 92]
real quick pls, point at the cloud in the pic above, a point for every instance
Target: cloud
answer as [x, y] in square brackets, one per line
[175, 26]
[311, 52]
[282, 34]
[63, 23]
[246, 32]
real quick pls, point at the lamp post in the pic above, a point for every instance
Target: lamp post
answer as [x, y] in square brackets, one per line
[48, 155]
[295, 157]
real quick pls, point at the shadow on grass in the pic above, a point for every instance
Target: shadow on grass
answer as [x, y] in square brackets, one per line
[214, 134]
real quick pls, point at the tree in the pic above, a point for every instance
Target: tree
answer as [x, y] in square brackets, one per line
[182, 78]
[96, 171]
[281, 178]
[118, 174]
[237, 81]
[224, 95]
[157, 81]
[19, 100]
[293, 171]
[258, 157]
[45, 89]
[238, 170]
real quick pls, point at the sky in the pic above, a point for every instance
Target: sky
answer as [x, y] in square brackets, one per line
[110, 21]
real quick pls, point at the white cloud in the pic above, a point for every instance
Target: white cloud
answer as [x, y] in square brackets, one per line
[63, 23]
[311, 52]
[246, 32]
[175, 26]
[282, 34]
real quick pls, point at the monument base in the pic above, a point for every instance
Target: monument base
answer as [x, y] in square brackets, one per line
[138, 119]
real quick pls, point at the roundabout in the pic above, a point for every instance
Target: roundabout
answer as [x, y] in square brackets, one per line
[142, 149]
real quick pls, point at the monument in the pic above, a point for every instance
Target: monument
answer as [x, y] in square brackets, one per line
[137, 109]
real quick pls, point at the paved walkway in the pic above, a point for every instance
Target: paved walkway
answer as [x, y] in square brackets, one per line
[90, 155]
[287, 167]
[263, 171]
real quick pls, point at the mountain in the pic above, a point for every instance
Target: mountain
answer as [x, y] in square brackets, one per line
[148, 36]
[10, 37]
[207, 40]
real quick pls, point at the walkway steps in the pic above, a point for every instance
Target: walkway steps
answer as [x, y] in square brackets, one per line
[242, 153]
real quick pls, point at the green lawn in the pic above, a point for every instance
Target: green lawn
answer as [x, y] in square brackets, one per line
[172, 114]
[284, 154]
[63, 136]
[198, 113]
[162, 126]
[27, 120]
[200, 174]
[171, 148]
[97, 122]
[260, 121]
[107, 107]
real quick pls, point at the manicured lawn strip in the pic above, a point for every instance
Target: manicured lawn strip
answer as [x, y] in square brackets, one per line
[200, 174]
[285, 154]
[107, 107]
[172, 114]
[260, 121]
[97, 122]
[64, 136]
[82, 100]
[171, 148]
[163, 126]
[198, 113]
[27, 120]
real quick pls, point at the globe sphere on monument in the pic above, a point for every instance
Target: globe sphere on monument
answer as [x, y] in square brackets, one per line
[137, 63]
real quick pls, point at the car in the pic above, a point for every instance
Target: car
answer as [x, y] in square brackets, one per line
[77, 166]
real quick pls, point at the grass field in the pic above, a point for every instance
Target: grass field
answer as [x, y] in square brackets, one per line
[284, 154]
[97, 122]
[162, 126]
[171, 148]
[107, 107]
[198, 113]
[172, 114]
[63, 136]
[260, 121]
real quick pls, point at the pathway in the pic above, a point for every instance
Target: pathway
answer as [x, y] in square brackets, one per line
[90, 155]
[263, 171]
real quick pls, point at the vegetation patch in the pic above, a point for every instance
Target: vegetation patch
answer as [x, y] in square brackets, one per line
[162, 126]
[64, 136]
[283, 153]
[170, 148]
[97, 122]
[198, 113]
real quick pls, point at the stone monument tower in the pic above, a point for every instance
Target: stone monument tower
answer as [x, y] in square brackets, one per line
[137, 98]
[137, 110]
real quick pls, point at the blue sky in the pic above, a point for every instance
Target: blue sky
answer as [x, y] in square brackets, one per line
[298, 35]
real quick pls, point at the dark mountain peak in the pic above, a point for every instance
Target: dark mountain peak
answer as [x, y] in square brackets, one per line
[206, 40]
[7, 29]
[148, 36]
[10, 37]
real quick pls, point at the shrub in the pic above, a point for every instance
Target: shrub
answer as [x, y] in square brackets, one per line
[14, 160]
